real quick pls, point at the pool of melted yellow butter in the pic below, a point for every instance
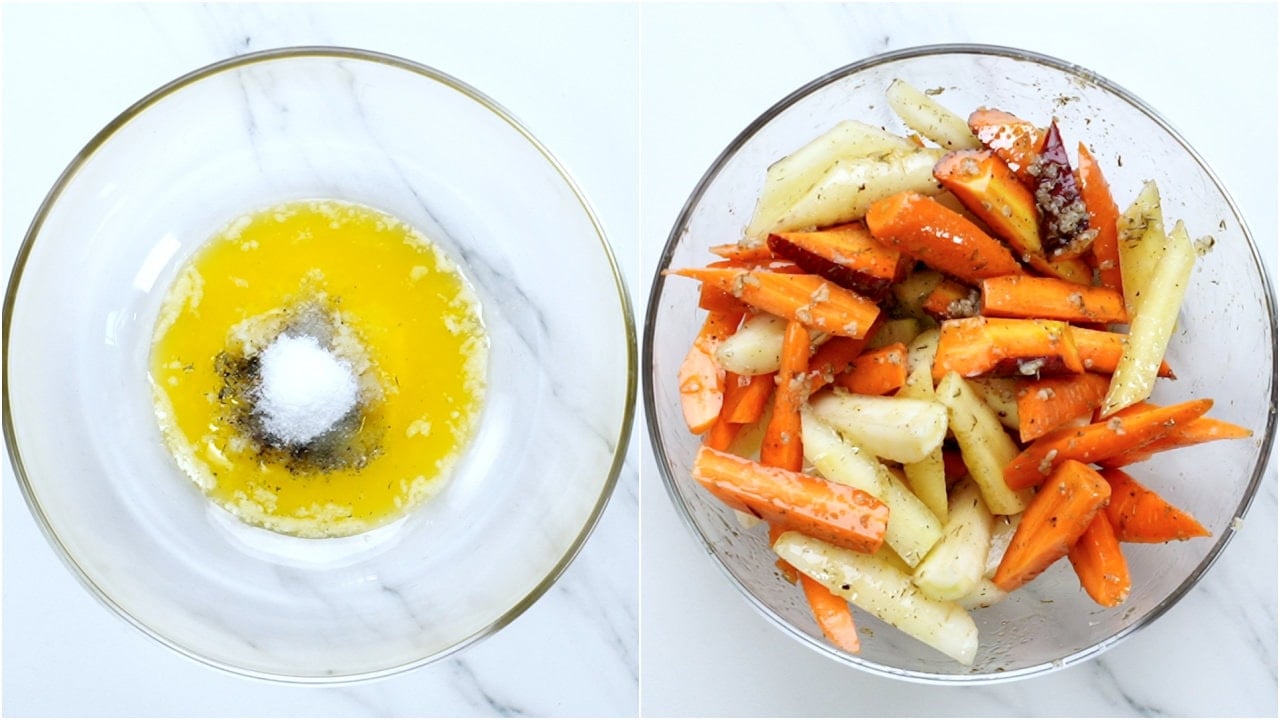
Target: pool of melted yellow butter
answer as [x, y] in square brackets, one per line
[381, 299]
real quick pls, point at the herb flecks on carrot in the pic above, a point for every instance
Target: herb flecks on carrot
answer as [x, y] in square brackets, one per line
[781, 446]
[980, 346]
[1044, 404]
[847, 255]
[877, 372]
[1103, 216]
[986, 186]
[1012, 139]
[834, 513]
[950, 300]
[1139, 514]
[1054, 520]
[942, 238]
[1201, 430]
[1100, 351]
[1098, 441]
[1100, 564]
[1025, 296]
[818, 303]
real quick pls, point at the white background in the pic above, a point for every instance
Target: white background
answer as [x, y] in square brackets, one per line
[707, 72]
[568, 73]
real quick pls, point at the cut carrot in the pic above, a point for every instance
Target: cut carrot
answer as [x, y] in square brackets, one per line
[832, 612]
[1012, 139]
[877, 372]
[1139, 514]
[1073, 270]
[1103, 216]
[700, 378]
[782, 446]
[817, 303]
[1046, 403]
[1098, 441]
[1054, 520]
[713, 299]
[835, 513]
[743, 253]
[745, 397]
[986, 186]
[950, 300]
[1099, 562]
[834, 357]
[980, 346]
[942, 238]
[1051, 299]
[1064, 220]
[1100, 351]
[722, 433]
[1201, 430]
[846, 255]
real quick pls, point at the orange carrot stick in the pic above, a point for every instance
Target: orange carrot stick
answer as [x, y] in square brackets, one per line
[1200, 430]
[746, 403]
[1139, 514]
[1100, 564]
[700, 377]
[835, 513]
[942, 238]
[743, 253]
[1051, 299]
[817, 303]
[714, 299]
[1012, 139]
[1046, 403]
[1054, 520]
[846, 255]
[1098, 441]
[1071, 269]
[1103, 215]
[722, 433]
[986, 186]
[834, 357]
[979, 346]
[877, 372]
[781, 447]
[950, 300]
[832, 612]
[1100, 351]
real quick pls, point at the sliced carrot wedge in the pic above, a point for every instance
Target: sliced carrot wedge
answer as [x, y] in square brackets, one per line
[834, 357]
[1012, 139]
[979, 346]
[950, 300]
[1052, 299]
[713, 299]
[722, 433]
[1099, 562]
[745, 397]
[846, 255]
[833, 614]
[986, 186]
[1139, 514]
[781, 447]
[1073, 270]
[743, 253]
[877, 372]
[1044, 404]
[942, 238]
[1100, 351]
[835, 513]
[816, 302]
[1200, 430]
[700, 377]
[1098, 441]
[1103, 216]
[1054, 520]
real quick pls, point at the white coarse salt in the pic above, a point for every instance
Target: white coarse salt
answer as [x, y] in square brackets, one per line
[305, 390]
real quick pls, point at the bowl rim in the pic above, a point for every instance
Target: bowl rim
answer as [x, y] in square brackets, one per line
[658, 283]
[331, 52]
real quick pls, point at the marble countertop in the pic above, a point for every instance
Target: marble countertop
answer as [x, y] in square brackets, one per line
[636, 101]
[68, 70]
[707, 72]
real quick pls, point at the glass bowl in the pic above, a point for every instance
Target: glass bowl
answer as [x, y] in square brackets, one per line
[250, 132]
[1228, 321]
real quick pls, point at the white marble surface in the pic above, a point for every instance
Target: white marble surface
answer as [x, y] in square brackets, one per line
[69, 69]
[707, 72]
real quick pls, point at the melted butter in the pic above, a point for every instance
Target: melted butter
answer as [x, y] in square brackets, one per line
[407, 320]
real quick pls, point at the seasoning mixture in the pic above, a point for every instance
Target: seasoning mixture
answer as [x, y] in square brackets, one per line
[317, 368]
